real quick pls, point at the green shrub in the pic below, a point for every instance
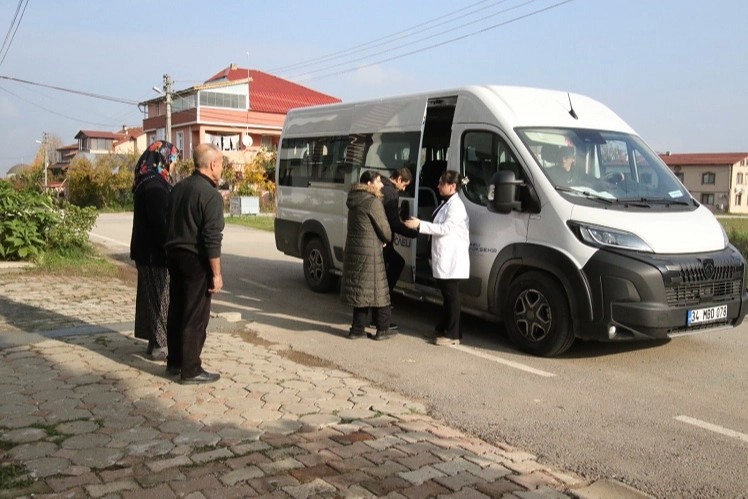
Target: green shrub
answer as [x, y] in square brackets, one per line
[31, 223]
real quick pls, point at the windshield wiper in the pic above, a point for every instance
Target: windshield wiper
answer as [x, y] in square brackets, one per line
[657, 201]
[587, 194]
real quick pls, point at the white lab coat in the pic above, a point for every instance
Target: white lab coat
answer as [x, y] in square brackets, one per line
[450, 240]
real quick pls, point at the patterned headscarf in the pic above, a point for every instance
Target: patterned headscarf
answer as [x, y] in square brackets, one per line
[156, 160]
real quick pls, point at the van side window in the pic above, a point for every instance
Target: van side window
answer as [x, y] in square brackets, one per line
[482, 155]
[312, 159]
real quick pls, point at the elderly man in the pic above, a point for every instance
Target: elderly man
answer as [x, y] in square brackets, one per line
[193, 248]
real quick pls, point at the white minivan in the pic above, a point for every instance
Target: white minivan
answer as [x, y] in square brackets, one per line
[577, 228]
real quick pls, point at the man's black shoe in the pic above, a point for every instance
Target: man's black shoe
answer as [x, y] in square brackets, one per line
[173, 370]
[383, 334]
[203, 377]
[356, 336]
[373, 325]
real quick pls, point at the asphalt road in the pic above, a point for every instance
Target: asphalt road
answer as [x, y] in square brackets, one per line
[670, 419]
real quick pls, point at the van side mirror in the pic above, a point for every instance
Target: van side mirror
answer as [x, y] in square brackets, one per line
[404, 209]
[502, 193]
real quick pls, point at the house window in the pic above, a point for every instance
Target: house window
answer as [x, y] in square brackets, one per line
[739, 199]
[680, 176]
[708, 178]
[180, 141]
[218, 99]
[267, 142]
[707, 198]
[740, 179]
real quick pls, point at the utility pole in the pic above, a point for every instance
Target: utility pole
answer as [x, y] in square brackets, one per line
[45, 139]
[167, 93]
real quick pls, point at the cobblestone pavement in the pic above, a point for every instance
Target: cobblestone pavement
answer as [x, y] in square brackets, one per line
[89, 415]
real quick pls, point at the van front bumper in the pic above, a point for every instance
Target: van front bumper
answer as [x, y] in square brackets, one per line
[646, 296]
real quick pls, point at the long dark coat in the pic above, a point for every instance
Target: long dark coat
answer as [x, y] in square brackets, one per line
[364, 278]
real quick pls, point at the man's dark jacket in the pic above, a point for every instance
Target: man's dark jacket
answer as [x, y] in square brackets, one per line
[391, 202]
[196, 217]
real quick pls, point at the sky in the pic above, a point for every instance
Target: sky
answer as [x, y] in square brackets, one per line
[675, 70]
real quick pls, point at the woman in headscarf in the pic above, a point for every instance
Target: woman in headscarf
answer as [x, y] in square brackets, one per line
[364, 284]
[151, 188]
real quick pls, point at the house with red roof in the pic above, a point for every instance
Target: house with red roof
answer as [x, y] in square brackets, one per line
[717, 180]
[239, 110]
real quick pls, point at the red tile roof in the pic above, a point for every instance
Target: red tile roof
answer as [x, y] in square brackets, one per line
[706, 159]
[271, 94]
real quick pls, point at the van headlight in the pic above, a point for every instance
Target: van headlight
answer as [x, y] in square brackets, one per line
[599, 236]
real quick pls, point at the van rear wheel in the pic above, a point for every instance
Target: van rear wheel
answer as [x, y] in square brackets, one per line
[317, 267]
[536, 315]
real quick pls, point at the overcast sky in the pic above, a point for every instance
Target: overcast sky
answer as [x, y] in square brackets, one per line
[675, 70]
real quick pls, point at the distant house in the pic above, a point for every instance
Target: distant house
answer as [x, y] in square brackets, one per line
[239, 110]
[717, 180]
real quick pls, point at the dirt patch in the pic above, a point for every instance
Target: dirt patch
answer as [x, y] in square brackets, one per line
[302, 358]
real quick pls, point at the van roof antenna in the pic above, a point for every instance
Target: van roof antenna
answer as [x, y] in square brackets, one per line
[571, 108]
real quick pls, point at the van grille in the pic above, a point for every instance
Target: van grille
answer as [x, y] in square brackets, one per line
[695, 286]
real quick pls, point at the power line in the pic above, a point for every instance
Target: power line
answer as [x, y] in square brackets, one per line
[54, 112]
[451, 40]
[6, 43]
[407, 32]
[503, 11]
[79, 92]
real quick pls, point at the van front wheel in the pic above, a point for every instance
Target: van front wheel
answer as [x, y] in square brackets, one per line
[317, 267]
[536, 315]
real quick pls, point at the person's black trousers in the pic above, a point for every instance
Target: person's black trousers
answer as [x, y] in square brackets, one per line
[394, 264]
[449, 325]
[380, 315]
[189, 311]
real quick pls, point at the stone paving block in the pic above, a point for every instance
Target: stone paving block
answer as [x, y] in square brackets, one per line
[458, 481]
[272, 484]
[425, 490]
[117, 474]
[249, 459]
[212, 455]
[60, 484]
[309, 473]
[148, 480]
[420, 475]
[345, 481]
[384, 469]
[242, 475]
[498, 488]
[104, 489]
[534, 480]
[379, 457]
[352, 464]
[419, 460]
[47, 466]
[284, 465]
[160, 491]
[237, 491]
[313, 488]
[541, 493]
[466, 493]
[173, 462]
[195, 484]
[216, 468]
[383, 487]
[350, 451]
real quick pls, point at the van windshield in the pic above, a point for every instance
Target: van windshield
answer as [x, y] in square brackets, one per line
[588, 164]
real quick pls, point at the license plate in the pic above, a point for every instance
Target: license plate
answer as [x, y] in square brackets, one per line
[709, 314]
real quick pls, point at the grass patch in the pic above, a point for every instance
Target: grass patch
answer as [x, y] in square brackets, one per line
[261, 222]
[80, 262]
[13, 476]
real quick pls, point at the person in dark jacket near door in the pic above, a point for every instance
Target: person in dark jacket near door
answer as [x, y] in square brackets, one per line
[364, 284]
[391, 188]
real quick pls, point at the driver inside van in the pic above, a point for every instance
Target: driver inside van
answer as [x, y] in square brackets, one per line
[563, 172]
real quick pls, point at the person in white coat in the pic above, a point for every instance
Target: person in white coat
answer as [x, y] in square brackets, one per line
[450, 261]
